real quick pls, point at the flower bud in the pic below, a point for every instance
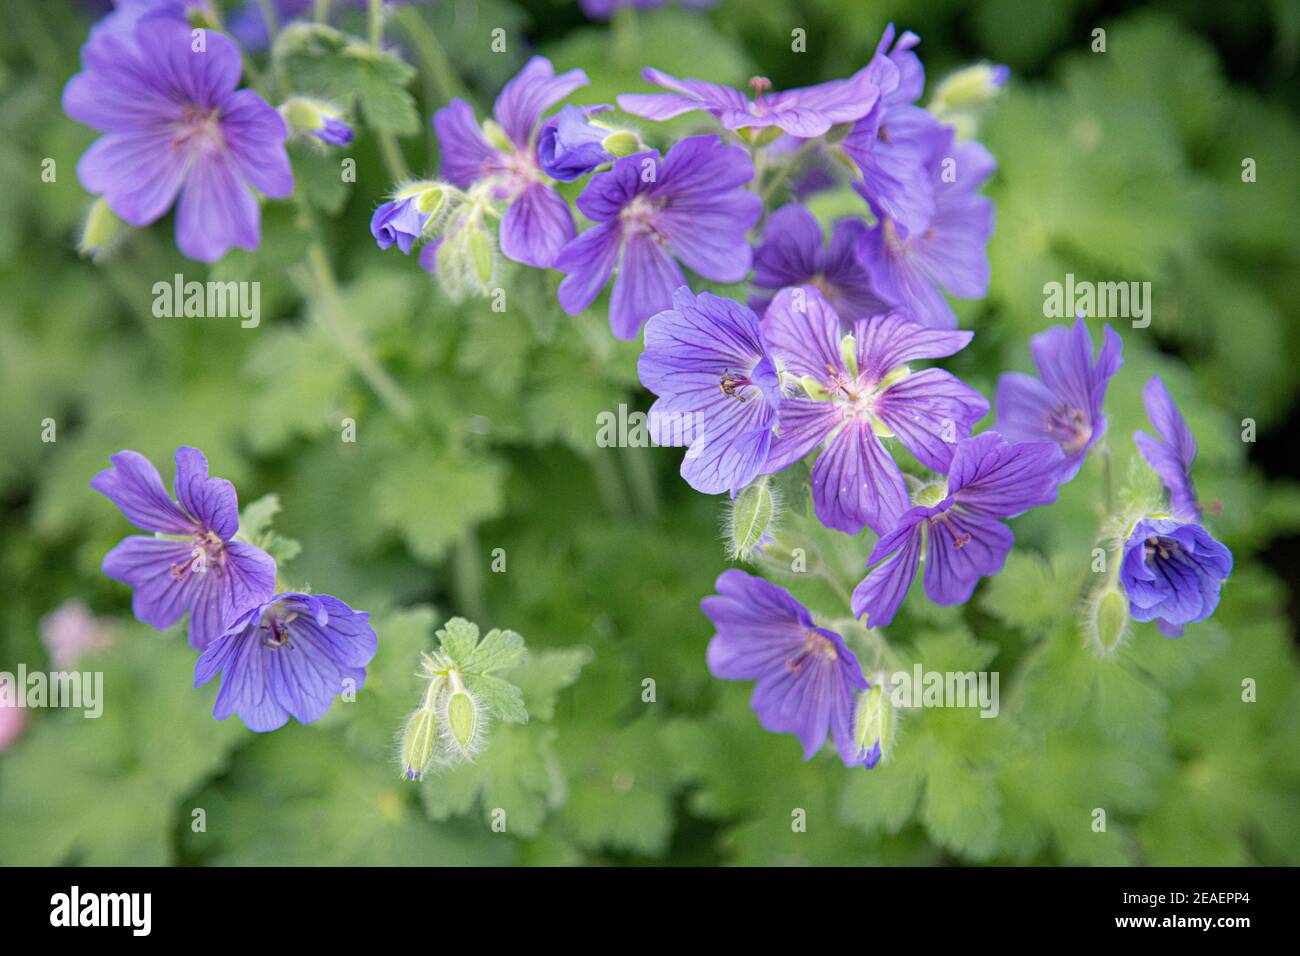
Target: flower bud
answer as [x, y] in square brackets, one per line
[621, 143]
[316, 118]
[1107, 620]
[102, 228]
[873, 726]
[973, 86]
[461, 718]
[419, 741]
[752, 513]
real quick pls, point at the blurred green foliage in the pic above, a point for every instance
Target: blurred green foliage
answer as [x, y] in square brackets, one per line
[1123, 165]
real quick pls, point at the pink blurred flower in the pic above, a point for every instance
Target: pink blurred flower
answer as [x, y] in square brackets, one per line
[70, 630]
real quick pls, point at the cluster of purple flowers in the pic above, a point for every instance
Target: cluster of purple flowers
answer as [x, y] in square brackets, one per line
[655, 217]
[280, 655]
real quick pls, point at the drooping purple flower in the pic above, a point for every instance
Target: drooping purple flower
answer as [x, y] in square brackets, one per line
[961, 535]
[805, 112]
[950, 253]
[198, 567]
[856, 390]
[718, 389]
[1172, 572]
[568, 146]
[1064, 404]
[398, 221]
[1172, 454]
[537, 223]
[806, 676]
[176, 126]
[894, 144]
[288, 657]
[651, 212]
[792, 254]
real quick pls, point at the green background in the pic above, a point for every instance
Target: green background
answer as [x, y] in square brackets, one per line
[1117, 166]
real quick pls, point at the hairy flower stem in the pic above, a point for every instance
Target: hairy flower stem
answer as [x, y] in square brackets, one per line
[332, 314]
[441, 78]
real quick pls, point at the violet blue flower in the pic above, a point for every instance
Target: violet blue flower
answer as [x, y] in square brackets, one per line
[568, 146]
[805, 112]
[718, 389]
[911, 271]
[537, 223]
[857, 389]
[1172, 572]
[1172, 454]
[806, 676]
[176, 126]
[288, 657]
[792, 254]
[398, 221]
[1065, 406]
[960, 535]
[651, 212]
[894, 144]
[197, 567]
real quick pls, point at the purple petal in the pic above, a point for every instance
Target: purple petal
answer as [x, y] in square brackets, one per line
[534, 90]
[804, 425]
[855, 483]
[930, 411]
[998, 478]
[803, 330]
[962, 548]
[589, 260]
[1171, 458]
[254, 134]
[134, 485]
[647, 277]
[160, 598]
[216, 211]
[888, 341]
[138, 173]
[210, 500]
[536, 227]
[465, 153]
[792, 242]
[880, 594]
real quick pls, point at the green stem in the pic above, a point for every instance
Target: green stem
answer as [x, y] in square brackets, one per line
[640, 476]
[332, 314]
[623, 30]
[468, 565]
[1107, 480]
[392, 155]
[437, 67]
[376, 12]
[322, 11]
[608, 484]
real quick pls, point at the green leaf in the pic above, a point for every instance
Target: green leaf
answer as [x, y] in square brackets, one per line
[325, 62]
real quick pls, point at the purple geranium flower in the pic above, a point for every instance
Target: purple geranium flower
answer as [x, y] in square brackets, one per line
[568, 146]
[1066, 405]
[1172, 454]
[792, 254]
[198, 568]
[718, 389]
[175, 125]
[856, 391]
[1172, 572]
[805, 112]
[538, 222]
[806, 675]
[650, 212]
[398, 221]
[288, 657]
[911, 271]
[894, 144]
[961, 536]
